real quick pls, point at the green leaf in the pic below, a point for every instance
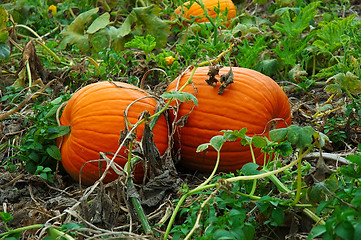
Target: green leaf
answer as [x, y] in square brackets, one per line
[6, 217]
[259, 142]
[71, 226]
[58, 131]
[355, 158]
[278, 135]
[284, 149]
[143, 21]
[217, 142]
[296, 135]
[100, 40]
[181, 96]
[246, 140]
[4, 51]
[349, 171]
[4, 34]
[146, 44]
[316, 232]
[342, 81]
[74, 33]
[293, 134]
[332, 33]
[345, 230]
[99, 23]
[321, 45]
[305, 137]
[316, 193]
[294, 26]
[202, 147]
[54, 152]
[222, 234]
[233, 135]
[331, 183]
[117, 40]
[268, 66]
[250, 169]
[277, 216]
[322, 206]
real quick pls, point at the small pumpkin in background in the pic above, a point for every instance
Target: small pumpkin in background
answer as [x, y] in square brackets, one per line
[253, 100]
[195, 10]
[95, 115]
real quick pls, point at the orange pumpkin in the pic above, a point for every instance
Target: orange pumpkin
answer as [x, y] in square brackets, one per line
[251, 101]
[95, 115]
[195, 10]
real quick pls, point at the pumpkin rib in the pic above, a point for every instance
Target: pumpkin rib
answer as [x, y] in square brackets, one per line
[74, 138]
[253, 100]
[91, 118]
[244, 83]
[95, 115]
[121, 102]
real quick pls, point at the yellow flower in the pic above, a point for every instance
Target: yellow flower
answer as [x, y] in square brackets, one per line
[53, 10]
[169, 60]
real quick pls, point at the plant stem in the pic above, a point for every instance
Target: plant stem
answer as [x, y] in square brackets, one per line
[213, 172]
[135, 201]
[28, 70]
[57, 59]
[280, 186]
[17, 230]
[29, 29]
[299, 179]
[139, 210]
[254, 185]
[57, 234]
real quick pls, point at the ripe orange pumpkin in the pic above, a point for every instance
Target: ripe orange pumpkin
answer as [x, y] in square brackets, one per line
[95, 115]
[195, 10]
[251, 101]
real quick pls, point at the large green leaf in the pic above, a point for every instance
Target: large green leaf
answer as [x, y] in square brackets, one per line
[99, 23]
[301, 137]
[344, 81]
[144, 21]
[332, 33]
[75, 32]
[4, 34]
[292, 27]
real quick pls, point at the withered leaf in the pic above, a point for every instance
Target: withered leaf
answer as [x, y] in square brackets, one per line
[226, 80]
[150, 150]
[101, 209]
[37, 70]
[156, 189]
[213, 71]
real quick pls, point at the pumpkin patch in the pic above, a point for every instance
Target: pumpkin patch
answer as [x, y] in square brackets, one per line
[95, 115]
[253, 101]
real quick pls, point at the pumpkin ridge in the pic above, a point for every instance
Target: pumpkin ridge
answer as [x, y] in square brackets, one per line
[251, 101]
[96, 120]
[90, 105]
